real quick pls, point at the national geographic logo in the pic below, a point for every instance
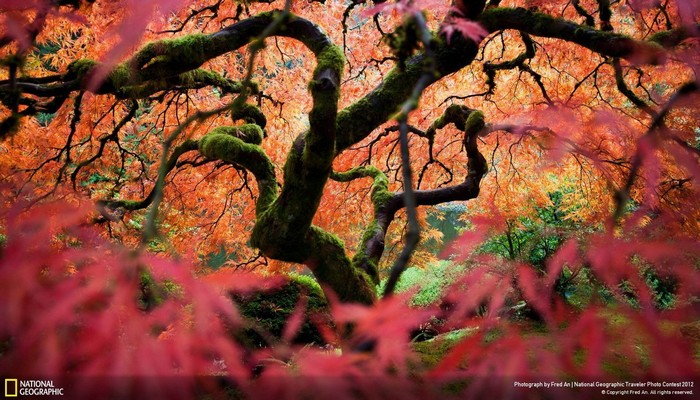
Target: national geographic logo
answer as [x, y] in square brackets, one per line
[11, 387]
[31, 387]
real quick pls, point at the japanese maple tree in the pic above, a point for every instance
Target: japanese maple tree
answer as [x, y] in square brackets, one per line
[321, 134]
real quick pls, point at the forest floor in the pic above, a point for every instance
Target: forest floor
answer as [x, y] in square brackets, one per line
[616, 364]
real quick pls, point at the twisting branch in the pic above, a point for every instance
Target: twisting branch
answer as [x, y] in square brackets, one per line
[372, 243]
[518, 62]
[413, 234]
[627, 92]
[150, 229]
[540, 24]
[386, 203]
[213, 9]
[582, 12]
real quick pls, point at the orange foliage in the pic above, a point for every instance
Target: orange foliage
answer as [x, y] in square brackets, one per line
[619, 131]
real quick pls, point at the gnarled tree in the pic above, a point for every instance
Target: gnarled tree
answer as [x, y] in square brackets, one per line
[316, 117]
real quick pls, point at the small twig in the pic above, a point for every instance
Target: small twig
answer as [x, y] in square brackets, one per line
[622, 195]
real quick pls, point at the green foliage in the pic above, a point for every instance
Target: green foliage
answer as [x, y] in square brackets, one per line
[446, 219]
[429, 282]
[663, 288]
[535, 239]
[44, 49]
[44, 119]
[152, 293]
[270, 311]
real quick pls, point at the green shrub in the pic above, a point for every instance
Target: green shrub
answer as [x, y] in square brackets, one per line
[429, 282]
[270, 310]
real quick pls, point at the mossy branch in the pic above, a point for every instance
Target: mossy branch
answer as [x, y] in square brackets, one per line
[224, 144]
[603, 42]
[308, 162]
[371, 246]
[674, 37]
[169, 58]
[150, 230]
[195, 79]
[359, 119]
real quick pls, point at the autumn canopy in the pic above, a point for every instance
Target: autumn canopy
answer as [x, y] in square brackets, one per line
[161, 159]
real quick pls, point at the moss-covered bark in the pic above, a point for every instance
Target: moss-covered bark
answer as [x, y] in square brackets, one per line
[221, 144]
[284, 231]
[250, 114]
[371, 246]
[540, 24]
[358, 120]
[283, 227]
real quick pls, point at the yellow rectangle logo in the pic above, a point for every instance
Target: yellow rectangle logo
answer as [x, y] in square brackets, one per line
[11, 387]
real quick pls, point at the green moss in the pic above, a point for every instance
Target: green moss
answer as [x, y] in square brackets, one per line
[347, 123]
[130, 204]
[361, 259]
[432, 351]
[669, 38]
[250, 114]
[194, 79]
[248, 133]
[370, 231]
[190, 48]
[189, 51]
[151, 294]
[380, 191]
[214, 79]
[380, 197]
[120, 76]
[457, 114]
[474, 123]
[330, 58]
[334, 268]
[326, 88]
[80, 68]
[271, 310]
[310, 284]
[324, 253]
[221, 145]
[376, 108]
[319, 147]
